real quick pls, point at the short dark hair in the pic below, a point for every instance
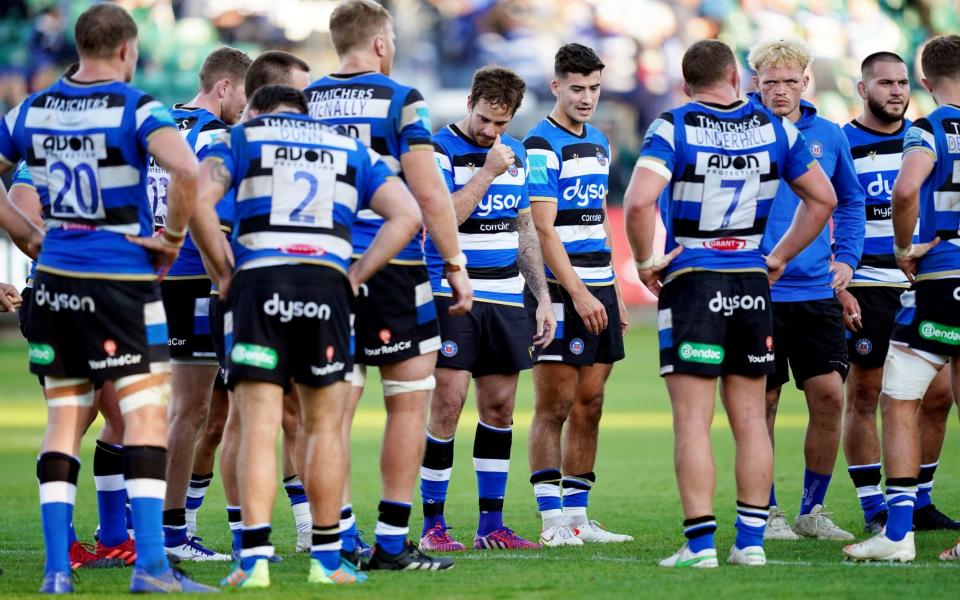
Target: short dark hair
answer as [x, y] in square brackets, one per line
[576, 58]
[866, 67]
[103, 28]
[499, 86]
[354, 22]
[706, 62]
[941, 58]
[223, 63]
[270, 97]
[273, 67]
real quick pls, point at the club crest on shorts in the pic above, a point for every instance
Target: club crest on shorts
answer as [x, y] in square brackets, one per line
[330, 353]
[385, 336]
[576, 346]
[449, 348]
[864, 346]
[816, 149]
[769, 342]
[110, 347]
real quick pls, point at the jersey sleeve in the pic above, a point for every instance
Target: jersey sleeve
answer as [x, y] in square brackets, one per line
[919, 137]
[206, 137]
[414, 124]
[658, 153]
[9, 153]
[797, 158]
[520, 156]
[377, 174]
[444, 164]
[850, 215]
[22, 176]
[543, 176]
[151, 117]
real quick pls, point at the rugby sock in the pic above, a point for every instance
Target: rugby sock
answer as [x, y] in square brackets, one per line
[699, 532]
[298, 502]
[925, 484]
[236, 528]
[393, 525]
[71, 534]
[751, 521]
[814, 490]
[174, 527]
[255, 545]
[773, 496]
[348, 528]
[866, 478]
[326, 545]
[576, 492]
[57, 476]
[199, 484]
[111, 493]
[491, 461]
[901, 497]
[435, 479]
[144, 469]
[546, 487]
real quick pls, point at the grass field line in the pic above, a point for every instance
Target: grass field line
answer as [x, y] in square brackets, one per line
[36, 416]
[541, 556]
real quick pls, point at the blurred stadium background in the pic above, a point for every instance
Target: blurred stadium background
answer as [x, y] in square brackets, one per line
[441, 42]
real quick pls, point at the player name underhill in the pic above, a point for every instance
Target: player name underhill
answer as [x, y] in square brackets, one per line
[730, 135]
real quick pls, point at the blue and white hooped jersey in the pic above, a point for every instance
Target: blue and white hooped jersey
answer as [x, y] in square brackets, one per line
[199, 128]
[389, 118]
[85, 145]
[298, 186]
[573, 171]
[877, 157]
[939, 136]
[489, 236]
[724, 165]
[21, 178]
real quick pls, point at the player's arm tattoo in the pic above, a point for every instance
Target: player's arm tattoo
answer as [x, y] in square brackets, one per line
[529, 256]
[221, 174]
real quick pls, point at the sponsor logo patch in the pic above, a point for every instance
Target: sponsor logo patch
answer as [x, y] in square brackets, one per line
[449, 348]
[41, 354]
[940, 333]
[707, 354]
[762, 359]
[292, 309]
[728, 304]
[253, 355]
[726, 244]
[110, 347]
[112, 362]
[576, 346]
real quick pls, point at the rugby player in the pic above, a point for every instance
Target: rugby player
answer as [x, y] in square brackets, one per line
[273, 67]
[485, 171]
[186, 297]
[396, 327]
[114, 547]
[808, 328]
[927, 332]
[569, 162]
[876, 144]
[85, 140]
[721, 160]
[298, 187]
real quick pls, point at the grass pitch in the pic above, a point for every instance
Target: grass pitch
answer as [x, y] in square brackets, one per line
[635, 493]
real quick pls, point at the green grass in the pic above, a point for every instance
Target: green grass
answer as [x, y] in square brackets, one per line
[635, 493]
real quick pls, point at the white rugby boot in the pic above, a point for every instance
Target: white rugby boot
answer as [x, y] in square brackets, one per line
[882, 548]
[818, 524]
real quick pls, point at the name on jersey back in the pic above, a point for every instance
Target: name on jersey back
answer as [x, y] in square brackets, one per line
[730, 135]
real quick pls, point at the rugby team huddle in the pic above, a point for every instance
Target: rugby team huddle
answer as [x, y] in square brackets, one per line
[302, 231]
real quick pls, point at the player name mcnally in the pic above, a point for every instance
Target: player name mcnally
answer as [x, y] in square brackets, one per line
[340, 102]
